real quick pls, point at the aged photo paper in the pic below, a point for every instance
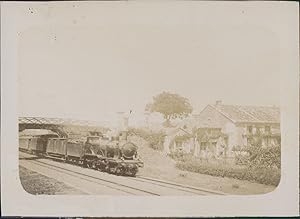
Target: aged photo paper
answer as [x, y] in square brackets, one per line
[165, 108]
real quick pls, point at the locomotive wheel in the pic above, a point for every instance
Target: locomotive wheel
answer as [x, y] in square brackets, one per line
[132, 171]
[85, 163]
[94, 166]
[91, 164]
[111, 170]
[101, 166]
[120, 171]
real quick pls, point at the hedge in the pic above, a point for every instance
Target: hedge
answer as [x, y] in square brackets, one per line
[268, 176]
[259, 157]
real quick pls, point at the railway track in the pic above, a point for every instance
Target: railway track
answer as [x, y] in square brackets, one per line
[127, 185]
[96, 180]
[196, 190]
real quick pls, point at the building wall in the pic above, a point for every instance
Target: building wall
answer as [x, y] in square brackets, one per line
[210, 117]
[241, 131]
[236, 133]
[270, 132]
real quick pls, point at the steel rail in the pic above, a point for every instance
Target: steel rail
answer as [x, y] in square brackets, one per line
[179, 187]
[197, 189]
[158, 182]
[64, 170]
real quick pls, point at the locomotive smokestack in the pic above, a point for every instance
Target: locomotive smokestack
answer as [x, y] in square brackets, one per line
[122, 121]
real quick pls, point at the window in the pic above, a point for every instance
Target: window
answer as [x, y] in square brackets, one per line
[268, 129]
[203, 146]
[93, 140]
[249, 129]
[249, 141]
[178, 143]
[278, 141]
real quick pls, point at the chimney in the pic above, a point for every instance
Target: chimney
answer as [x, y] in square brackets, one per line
[218, 102]
[147, 115]
[195, 116]
[122, 121]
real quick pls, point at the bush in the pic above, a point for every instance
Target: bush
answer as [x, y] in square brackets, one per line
[268, 176]
[178, 156]
[259, 157]
[155, 139]
[261, 165]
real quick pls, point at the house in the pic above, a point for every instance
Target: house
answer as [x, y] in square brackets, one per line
[210, 143]
[175, 140]
[241, 125]
[218, 129]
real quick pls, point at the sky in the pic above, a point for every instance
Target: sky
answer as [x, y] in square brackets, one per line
[88, 64]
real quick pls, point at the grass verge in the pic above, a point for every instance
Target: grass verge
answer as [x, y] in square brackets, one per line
[37, 184]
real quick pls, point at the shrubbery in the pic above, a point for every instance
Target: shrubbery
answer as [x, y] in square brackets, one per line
[259, 157]
[155, 139]
[256, 164]
[264, 176]
[268, 176]
[253, 163]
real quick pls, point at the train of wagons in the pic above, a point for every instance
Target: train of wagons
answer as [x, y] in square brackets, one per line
[115, 155]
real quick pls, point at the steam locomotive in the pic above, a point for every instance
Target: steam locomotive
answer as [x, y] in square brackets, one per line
[115, 155]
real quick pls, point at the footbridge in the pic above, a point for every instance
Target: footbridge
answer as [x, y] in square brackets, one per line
[63, 127]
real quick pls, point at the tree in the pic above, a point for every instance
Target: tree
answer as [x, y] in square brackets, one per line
[170, 105]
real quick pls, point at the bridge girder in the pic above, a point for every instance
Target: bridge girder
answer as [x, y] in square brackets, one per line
[55, 128]
[63, 127]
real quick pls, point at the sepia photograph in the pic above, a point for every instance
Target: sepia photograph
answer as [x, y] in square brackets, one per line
[164, 99]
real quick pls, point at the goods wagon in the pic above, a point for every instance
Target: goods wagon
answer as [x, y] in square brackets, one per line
[75, 150]
[57, 147]
[24, 143]
[32, 144]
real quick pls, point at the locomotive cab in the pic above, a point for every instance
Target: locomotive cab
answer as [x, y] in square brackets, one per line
[93, 140]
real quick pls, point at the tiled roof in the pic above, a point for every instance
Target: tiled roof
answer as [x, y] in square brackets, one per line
[194, 122]
[259, 114]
